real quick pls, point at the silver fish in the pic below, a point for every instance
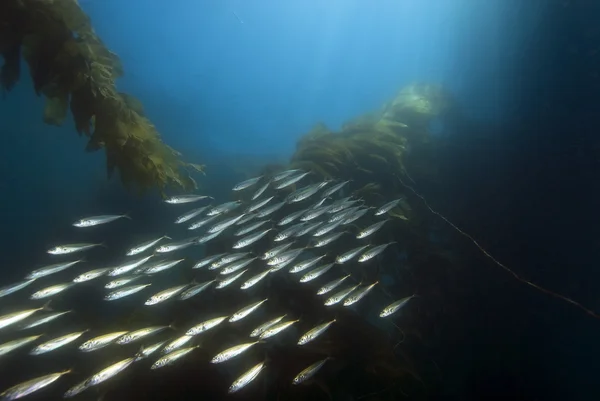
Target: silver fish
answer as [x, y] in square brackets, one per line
[387, 207]
[261, 329]
[371, 229]
[286, 182]
[16, 344]
[347, 256]
[180, 199]
[9, 289]
[230, 279]
[249, 228]
[338, 296]
[102, 341]
[145, 246]
[328, 239]
[44, 319]
[255, 279]
[71, 248]
[355, 216]
[147, 351]
[318, 203]
[260, 191]
[245, 311]
[224, 208]
[269, 210]
[141, 333]
[14, 317]
[195, 290]
[204, 326]
[276, 251]
[324, 229]
[291, 217]
[90, 275]
[285, 256]
[306, 264]
[166, 294]
[121, 282]
[288, 232]
[246, 378]
[125, 291]
[395, 306]
[370, 254]
[309, 372]
[343, 204]
[314, 213]
[342, 215]
[177, 343]
[207, 237]
[57, 342]
[226, 259]
[332, 285]
[246, 218]
[250, 239]
[283, 174]
[235, 266]
[315, 273]
[308, 228]
[225, 224]
[51, 269]
[51, 291]
[76, 389]
[190, 215]
[176, 246]
[110, 371]
[247, 183]
[276, 329]
[31, 386]
[202, 222]
[334, 189]
[259, 204]
[359, 294]
[96, 220]
[129, 266]
[305, 192]
[209, 259]
[163, 265]
[232, 352]
[172, 357]
[315, 332]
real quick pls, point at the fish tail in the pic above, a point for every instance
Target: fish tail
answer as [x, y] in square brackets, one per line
[172, 326]
[47, 307]
[127, 216]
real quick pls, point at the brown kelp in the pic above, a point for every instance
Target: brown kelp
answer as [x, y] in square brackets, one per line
[72, 69]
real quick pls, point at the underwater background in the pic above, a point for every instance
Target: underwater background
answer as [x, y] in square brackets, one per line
[236, 85]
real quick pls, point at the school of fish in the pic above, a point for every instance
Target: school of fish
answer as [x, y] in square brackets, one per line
[324, 217]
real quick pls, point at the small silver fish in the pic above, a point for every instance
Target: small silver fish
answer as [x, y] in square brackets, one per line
[51, 269]
[145, 246]
[315, 332]
[203, 222]
[288, 232]
[276, 329]
[315, 273]
[71, 248]
[276, 251]
[359, 294]
[283, 174]
[96, 220]
[387, 207]
[235, 266]
[207, 237]
[161, 266]
[324, 229]
[102, 341]
[261, 329]
[347, 256]
[166, 294]
[318, 203]
[247, 183]
[249, 228]
[285, 256]
[90, 275]
[141, 333]
[180, 199]
[286, 182]
[209, 259]
[121, 282]
[204, 326]
[314, 213]
[343, 204]
[224, 208]
[227, 258]
[232, 352]
[343, 214]
[151, 349]
[44, 319]
[12, 288]
[328, 239]
[246, 378]
[76, 389]
[338, 296]
[306, 264]
[371, 229]
[250, 239]
[190, 215]
[309, 372]
[334, 189]
[260, 191]
[225, 224]
[269, 210]
[51, 291]
[255, 279]
[16, 344]
[370, 254]
[291, 217]
[176, 246]
[245, 311]
[195, 289]
[308, 228]
[332, 285]
[110, 371]
[177, 343]
[355, 216]
[125, 291]
[31, 386]
[230, 279]
[259, 204]
[56, 343]
[305, 192]
[246, 218]
[129, 266]
[395, 306]
[172, 357]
